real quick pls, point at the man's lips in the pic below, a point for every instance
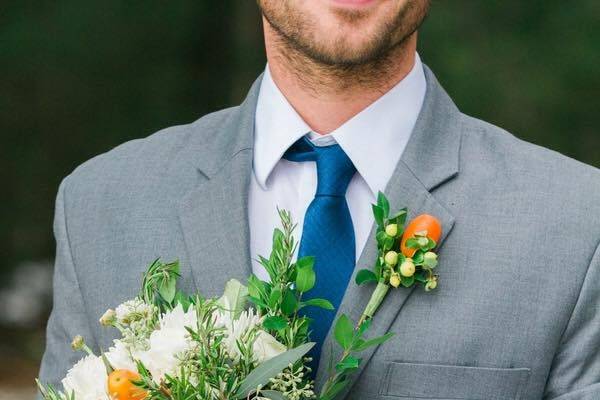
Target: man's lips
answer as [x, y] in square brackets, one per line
[353, 3]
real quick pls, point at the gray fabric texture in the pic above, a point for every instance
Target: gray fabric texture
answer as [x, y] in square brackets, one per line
[516, 314]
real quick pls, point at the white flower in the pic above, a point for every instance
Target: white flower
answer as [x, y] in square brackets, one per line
[87, 379]
[236, 329]
[168, 342]
[266, 347]
[133, 310]
[119, 356]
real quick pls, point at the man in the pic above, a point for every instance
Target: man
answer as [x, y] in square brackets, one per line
[345, 108]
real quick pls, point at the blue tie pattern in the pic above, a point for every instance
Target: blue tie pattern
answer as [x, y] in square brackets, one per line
[328, 233]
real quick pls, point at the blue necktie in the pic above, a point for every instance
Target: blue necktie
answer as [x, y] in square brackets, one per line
[328, 233]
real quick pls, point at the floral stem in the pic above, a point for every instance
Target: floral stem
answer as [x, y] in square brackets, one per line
[375, 301]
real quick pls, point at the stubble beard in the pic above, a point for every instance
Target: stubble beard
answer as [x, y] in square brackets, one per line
[336, 65]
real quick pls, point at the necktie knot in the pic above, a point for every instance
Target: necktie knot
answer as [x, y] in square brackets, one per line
[334, 168]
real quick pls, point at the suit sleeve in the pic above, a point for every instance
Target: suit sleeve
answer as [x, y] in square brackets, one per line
[68, 317]
[575, 372]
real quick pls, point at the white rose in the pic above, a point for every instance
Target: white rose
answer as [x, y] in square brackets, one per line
[168, 342]
[266, 347]
[87, 379]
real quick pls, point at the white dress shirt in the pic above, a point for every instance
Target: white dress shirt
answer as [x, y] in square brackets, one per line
[374, 139]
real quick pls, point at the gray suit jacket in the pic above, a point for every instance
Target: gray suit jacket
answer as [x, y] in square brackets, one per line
[517, 311]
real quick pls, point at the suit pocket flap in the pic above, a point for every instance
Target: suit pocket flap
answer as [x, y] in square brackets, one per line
[432, 381]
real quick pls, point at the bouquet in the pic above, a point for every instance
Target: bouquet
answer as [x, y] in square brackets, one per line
[250, 343]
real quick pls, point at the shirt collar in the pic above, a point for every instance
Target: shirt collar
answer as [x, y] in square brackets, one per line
[374, 139]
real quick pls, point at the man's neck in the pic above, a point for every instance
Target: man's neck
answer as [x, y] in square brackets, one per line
[328, 96]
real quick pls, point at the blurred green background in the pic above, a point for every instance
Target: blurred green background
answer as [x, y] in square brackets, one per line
[78, 78]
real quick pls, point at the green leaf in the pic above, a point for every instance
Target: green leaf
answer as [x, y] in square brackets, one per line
[378, 213]
[381, 236]
[349, 363]
[234, 297]
[418, 257]
[256, 287]
[183, 299]
[270, 368]
[383, 202]
[334, 390]
[289, 303]
[305, 277]
[167, 289]
[275, 323]
[344, 331]
[321, 303]
[366, 324]
[274, 298]
[399, 218]
[306, 261]
[258, 302]
[388, 243]
[364, 276]
[407, 281]
[272, 394]
[278, 237]
[413, 243]
[431, 245]
[372, 342]
[420, 276]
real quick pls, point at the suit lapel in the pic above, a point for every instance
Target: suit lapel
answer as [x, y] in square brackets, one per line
[214, 214]
[429, 160]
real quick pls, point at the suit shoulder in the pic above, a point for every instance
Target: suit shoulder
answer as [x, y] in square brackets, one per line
[141, 157]
[524, 159]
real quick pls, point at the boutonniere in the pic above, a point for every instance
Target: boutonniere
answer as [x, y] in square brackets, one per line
[405, 253]
[405, 258]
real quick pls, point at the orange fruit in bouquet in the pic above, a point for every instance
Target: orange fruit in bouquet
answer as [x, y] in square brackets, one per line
[121, 386]
[421, 223]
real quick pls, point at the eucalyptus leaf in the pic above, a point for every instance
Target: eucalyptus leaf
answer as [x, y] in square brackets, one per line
[272, 394]
[270, 368]
[234, 297]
